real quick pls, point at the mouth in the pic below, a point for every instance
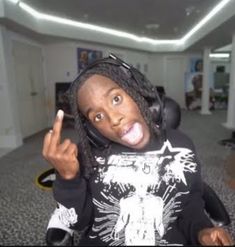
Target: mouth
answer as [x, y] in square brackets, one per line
[132, 134]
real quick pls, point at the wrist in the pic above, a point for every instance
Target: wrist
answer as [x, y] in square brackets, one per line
[67, 175]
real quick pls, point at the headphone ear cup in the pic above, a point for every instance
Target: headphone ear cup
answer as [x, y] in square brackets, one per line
[172, 113]
[155, 108]
[95, 137]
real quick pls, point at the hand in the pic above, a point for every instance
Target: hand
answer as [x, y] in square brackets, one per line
[215, 236]
[62, 156]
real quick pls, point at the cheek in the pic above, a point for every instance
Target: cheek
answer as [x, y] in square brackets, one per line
[134, 111]
[129, 106]
[105, 130]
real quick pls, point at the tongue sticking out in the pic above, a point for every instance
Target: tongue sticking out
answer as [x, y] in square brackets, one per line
[134, 134]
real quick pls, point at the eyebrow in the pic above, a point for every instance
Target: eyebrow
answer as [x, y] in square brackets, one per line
[106, 94]
[110, 90]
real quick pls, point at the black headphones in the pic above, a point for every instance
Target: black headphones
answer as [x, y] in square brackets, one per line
[94, 136]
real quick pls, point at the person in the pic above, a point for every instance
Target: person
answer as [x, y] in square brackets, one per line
[143, 186]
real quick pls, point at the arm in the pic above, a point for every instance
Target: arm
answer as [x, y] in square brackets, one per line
[75, 203]
[70, 188]
[195, 224]
[193, 218]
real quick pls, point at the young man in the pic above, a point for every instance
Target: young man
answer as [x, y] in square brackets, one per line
[143, 185]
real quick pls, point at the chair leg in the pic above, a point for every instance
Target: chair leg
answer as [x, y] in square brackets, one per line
[57, 233]
[58, 237]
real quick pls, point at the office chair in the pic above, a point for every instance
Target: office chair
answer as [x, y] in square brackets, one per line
[213, 205]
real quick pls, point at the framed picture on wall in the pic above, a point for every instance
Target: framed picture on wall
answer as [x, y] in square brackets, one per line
[193, 83]
[87, 56]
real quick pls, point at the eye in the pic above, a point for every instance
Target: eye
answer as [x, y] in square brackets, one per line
[117, 99]
[98, 117]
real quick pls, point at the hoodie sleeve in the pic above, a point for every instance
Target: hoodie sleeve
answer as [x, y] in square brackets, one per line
[74, 201]
[193, 217]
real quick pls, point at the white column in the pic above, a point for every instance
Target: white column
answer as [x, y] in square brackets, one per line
[205, 82]
[230, 124]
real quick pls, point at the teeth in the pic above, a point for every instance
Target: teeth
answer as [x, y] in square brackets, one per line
[127, 130]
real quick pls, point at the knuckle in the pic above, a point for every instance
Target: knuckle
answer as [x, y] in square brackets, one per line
[50, 155]
[59, 156]
[67, 141]
[73, 146]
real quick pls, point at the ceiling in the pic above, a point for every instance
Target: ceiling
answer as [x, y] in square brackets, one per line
[157, 19]
[162, 19]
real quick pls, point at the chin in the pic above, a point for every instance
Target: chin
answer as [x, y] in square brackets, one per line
[141, 144]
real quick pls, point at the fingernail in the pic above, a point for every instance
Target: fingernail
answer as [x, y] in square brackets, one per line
[50, 131]
[60, 114]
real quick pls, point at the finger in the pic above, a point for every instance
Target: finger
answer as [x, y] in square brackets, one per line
[57, 127]
[225, 238]
[46, 143]
[209, 242]
[63, 146]
[72, 150]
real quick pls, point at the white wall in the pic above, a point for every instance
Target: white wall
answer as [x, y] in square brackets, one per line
[156, 68]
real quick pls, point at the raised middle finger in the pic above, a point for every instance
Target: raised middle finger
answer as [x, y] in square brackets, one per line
[56, 132]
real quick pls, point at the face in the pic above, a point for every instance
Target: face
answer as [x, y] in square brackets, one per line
[113, 112]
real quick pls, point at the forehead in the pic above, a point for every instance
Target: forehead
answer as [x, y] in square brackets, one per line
[95, 90]
[98, 82]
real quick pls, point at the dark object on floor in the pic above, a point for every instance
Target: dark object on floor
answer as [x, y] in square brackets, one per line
[45, 180]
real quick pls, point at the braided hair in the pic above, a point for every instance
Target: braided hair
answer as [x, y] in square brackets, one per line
[135, 84]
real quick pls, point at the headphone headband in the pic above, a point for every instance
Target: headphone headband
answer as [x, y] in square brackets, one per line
[141, 81]
[111, 59]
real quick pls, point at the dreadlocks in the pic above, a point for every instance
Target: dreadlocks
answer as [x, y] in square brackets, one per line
[133, 82]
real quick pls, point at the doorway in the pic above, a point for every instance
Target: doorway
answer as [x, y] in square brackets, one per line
[28, 66]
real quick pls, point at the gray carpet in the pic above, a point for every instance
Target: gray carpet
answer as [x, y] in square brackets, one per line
[25, 208]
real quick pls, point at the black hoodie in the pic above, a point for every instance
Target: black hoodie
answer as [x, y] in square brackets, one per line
[147, 197]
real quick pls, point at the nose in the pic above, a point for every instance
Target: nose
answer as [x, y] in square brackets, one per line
[115, 118]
